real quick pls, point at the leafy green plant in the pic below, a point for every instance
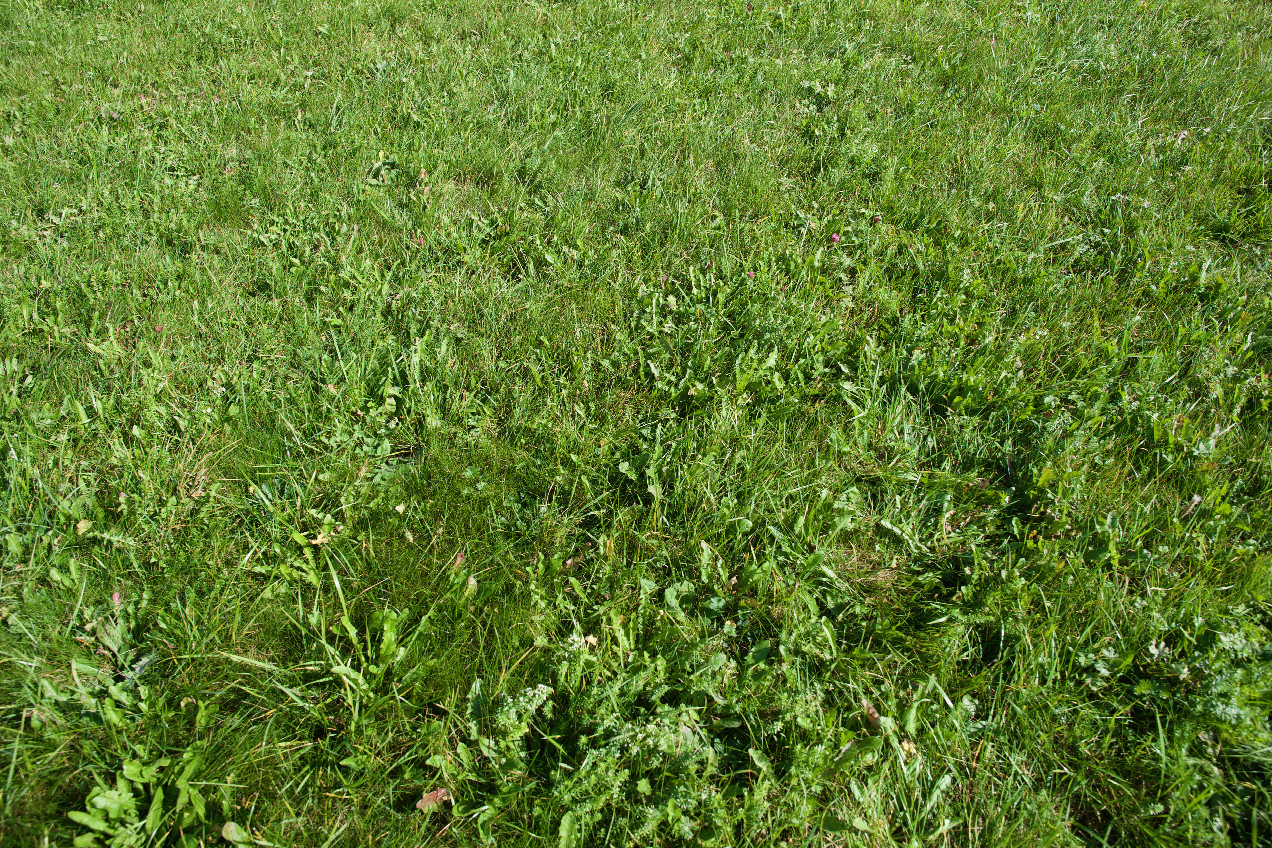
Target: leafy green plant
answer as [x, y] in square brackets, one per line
[146, 801]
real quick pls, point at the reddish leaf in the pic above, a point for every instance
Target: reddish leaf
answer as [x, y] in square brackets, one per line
[432, 799]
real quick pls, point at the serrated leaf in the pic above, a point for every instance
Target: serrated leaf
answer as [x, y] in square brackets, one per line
[432, 799]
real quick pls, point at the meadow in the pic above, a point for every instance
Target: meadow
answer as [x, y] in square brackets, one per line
[794, 422]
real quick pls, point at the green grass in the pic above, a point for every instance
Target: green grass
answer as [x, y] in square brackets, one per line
[841, 422]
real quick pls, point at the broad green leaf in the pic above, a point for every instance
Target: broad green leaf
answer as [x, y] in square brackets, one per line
[569, 832]
[235, 833]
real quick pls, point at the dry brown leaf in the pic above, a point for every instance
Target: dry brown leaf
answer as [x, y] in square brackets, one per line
[871, 713]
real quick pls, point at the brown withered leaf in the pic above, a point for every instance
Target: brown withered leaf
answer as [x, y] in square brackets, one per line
[871, 713]
[432, 799]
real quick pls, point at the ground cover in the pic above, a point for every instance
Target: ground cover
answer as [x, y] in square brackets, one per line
[815, 423]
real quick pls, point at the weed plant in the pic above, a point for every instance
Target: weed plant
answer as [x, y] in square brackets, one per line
[830, 422]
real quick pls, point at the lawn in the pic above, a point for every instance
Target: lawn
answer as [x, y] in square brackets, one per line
[839, 422]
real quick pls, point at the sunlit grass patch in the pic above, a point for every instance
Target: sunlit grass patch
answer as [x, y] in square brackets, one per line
[609, 423]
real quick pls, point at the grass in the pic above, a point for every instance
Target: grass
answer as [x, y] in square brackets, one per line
[815, 423]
